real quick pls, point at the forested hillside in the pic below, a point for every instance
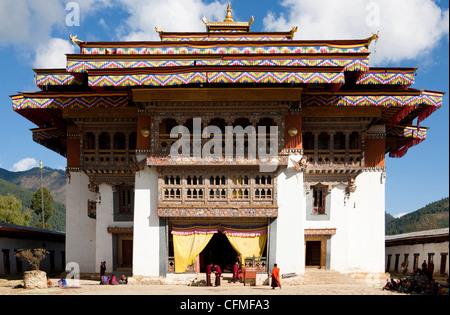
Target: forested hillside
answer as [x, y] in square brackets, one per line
[53, 180]
[57, 222]
[433, 216]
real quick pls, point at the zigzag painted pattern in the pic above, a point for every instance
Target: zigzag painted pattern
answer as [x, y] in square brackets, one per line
[387, 78]
[20, 103]
[275, 77]
[324, 49]
[223, 38]
[348, 64]
[216, 77]
[148, 80]
[372, 100]
[40, 135]
[56, 79]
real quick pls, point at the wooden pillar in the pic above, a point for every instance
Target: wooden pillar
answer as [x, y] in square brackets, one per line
[296, 142]
[347, 146]
[316, 146]
[144, 142]
[73, 147]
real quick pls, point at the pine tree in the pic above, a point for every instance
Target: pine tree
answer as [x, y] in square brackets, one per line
[36, 205]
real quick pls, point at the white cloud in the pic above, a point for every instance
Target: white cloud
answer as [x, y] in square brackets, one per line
[170, 16]
[29, 22]
[53, 54]
[399, 215]
[24, 165]
[28, 25]
[408, 28]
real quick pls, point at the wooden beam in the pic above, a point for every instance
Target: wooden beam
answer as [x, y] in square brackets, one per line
[216, 94]
[341, 111]
[99, 112]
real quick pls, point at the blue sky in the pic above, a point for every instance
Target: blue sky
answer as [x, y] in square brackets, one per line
[413, 33]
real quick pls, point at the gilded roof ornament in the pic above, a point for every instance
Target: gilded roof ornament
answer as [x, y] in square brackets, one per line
[293, 31]
[159, 31]
[374, 37]
[228, 23]
[229, 17]
[75, 40]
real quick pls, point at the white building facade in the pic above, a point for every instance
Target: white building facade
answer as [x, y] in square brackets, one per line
[415, 248]
[316, 199]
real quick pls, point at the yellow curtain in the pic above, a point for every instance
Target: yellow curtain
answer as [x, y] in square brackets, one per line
[187, 247]
[248, 246]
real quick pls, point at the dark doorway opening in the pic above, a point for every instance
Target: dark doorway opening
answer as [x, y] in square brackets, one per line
[127, 253]
[220, 252]
[313, 253]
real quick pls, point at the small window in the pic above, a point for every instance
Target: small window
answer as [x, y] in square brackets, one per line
[319, 199]
[92, 209]
[125, 199]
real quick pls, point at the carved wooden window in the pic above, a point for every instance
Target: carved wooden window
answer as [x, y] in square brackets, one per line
[218, 189]
[125, 199]
[172, 187]
[319, 199]
[231, 188]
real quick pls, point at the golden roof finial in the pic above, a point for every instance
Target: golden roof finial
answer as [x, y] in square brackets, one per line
[75, 40]
[229, 17]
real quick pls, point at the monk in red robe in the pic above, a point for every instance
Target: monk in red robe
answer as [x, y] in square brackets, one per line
[218, 272]
[235, 272]
[276, 277]
[208, 275]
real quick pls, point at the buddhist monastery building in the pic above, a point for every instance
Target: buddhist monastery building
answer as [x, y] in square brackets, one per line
[311, 194]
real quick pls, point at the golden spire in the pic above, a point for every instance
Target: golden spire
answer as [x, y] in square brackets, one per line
[229, 17]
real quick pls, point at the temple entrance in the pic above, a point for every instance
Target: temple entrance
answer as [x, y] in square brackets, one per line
[313, 253]
[220, 252]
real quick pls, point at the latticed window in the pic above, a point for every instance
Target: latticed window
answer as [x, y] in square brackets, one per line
[125, 199]
[217, 188]
[319, 199]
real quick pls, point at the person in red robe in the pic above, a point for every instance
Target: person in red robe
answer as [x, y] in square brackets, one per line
[276, 277]
[235, 272]
[208, 275]
[218, 272]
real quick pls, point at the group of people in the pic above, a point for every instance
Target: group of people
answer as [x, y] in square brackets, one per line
[419, 282]
[217, 271]
[238, 275]
[105, 280]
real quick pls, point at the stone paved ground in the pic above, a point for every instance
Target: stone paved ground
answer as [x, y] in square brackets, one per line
[88, 287]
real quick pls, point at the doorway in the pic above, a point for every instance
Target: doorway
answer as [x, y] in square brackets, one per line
[127, 253]
[313, 253]
[219, 252]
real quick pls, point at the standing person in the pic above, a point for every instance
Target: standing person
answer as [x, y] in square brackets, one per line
[276, 277]
[208, 274]
[235, 272]
[424, 265]
[431, 268]
[218, 272]
[102, 268]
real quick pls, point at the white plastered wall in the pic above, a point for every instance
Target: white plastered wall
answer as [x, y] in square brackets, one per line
[146, 239]
[80, 229]
[290, 255]
[105, 218]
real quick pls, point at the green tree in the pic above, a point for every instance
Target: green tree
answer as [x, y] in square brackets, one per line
[11, 211]
[36, 205]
